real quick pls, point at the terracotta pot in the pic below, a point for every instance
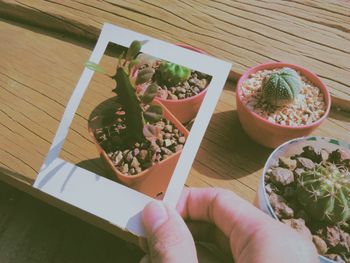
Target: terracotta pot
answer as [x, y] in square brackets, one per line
[271, 134]
[186, 109]
[154, 180]
[288, 149]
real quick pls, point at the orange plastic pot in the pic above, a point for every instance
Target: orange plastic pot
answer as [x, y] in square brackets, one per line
[154, 180]
[271, 134]
[186, 109]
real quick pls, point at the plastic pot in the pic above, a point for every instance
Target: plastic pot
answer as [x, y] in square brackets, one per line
[271, 134]
[154, 180]
[186, 109]
[288, 149]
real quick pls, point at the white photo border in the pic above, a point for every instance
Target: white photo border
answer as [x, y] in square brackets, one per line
[109, 200]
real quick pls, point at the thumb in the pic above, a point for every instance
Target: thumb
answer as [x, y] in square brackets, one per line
[169, 239]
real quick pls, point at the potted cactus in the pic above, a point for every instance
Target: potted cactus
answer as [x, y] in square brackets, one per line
[181, 89]
[325, 192]
[306, 185]
[277, 102]
[281, 87]
[139, 139]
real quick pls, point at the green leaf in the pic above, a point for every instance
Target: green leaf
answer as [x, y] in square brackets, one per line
[95, 67]
[153, 114]
[150, 93]
[128, 99]
[144, 75]
[133, 50]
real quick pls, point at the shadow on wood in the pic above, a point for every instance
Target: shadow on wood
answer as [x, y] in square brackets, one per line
[228, 151]
[340, 115]
[32, 231]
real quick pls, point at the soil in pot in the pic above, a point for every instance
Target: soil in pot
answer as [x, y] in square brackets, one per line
[308, 106]
[175, 82]
[195, 84]
[303, 200]
[111, 133]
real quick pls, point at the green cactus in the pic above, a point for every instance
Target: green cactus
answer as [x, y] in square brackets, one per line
[129, 101]
[172, 73]
[282, 87]
[325, 192]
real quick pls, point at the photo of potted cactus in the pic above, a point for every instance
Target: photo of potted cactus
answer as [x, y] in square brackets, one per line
[277, 102]
[181, 89]
[306, 185]
[136, 135]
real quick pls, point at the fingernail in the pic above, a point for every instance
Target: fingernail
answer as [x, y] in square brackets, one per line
[145, 259]
[153, 216]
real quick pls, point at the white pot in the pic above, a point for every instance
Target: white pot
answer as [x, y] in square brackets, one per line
[288, 149]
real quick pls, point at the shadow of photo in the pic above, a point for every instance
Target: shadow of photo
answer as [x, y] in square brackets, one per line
[228, 150]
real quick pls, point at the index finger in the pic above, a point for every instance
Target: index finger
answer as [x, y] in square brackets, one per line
[234, 216]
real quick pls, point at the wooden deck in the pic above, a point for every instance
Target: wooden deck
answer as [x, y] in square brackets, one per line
[43, 46]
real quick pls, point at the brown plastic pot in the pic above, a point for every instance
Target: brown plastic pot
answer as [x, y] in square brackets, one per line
[154, 180]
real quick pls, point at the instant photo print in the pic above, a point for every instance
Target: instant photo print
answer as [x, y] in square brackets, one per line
[145, 105]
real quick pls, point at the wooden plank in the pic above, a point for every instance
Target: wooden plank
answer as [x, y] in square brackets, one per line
[36, 82]
[314, 34]
[40, 68]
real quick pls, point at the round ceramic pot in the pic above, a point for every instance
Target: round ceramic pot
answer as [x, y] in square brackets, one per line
[288, 149]
[271, 134]
[185, 109]
[154, 180]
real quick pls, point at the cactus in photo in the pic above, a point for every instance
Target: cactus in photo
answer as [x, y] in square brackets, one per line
[281, 87]
[325, 192]
[139, 110]
[172, 73]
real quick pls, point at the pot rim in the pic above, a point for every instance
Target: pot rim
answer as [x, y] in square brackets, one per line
[304, 71]
[274, 155]
[144, 172]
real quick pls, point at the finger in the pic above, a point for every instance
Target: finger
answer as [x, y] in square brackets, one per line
[207, 232]
[234, 216]
[208, 253]
[246, 226]
[143, 244]
[169, 239]
[218, 206]
[145, 259]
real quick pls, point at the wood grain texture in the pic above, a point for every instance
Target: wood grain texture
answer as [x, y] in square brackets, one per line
[37, 76]
[314, 34]
[42, 59]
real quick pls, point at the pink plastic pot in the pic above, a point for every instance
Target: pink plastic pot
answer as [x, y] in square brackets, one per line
[154, 180]
[271, 134]
[186, 109]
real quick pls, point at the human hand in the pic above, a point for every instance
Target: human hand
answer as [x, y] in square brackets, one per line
[221, 217]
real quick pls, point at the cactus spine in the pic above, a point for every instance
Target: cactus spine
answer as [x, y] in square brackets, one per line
[325, 192]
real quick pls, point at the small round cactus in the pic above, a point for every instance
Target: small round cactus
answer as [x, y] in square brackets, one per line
[325, 192]
[282, 87]
[173, 73]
